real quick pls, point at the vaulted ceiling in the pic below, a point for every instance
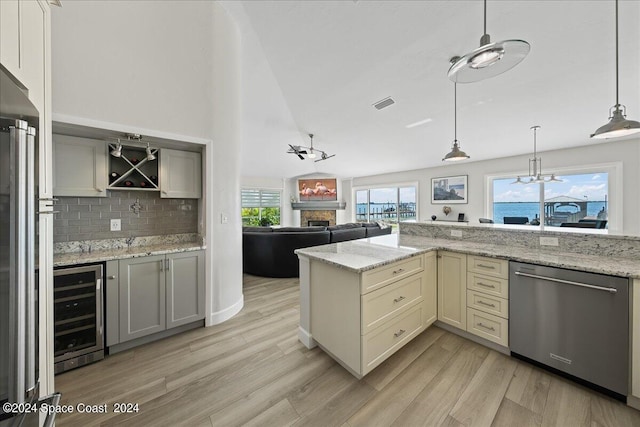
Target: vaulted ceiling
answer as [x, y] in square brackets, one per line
[318, 66]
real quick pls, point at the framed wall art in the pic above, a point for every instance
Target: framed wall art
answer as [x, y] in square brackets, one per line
[450, 189]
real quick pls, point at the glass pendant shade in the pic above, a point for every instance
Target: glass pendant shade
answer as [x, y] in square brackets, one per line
[489, 60]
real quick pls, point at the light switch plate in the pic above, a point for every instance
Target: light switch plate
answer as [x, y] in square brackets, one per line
[116, 224]
[224, 218]
[548, 241]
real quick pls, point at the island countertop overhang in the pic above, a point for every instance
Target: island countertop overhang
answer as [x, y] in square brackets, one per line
[366, 254]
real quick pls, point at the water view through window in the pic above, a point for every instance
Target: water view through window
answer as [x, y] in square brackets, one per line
[581, 200]
[392, 204]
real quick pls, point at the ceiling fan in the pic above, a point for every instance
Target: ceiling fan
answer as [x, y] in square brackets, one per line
[310, 152]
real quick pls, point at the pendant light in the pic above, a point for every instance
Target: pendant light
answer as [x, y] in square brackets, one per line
[489, 60]
[455, 154]
[535, 166]
[618, 124]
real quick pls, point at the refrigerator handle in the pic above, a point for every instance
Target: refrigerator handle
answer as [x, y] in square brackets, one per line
[31, 380]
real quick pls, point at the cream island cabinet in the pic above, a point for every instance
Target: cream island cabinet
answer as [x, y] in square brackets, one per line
[473, 295]
[361, 318]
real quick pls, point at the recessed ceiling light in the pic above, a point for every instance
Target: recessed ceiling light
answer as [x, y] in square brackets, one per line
[421, 122]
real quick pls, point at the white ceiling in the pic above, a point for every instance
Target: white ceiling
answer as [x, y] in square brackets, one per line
[318, 66]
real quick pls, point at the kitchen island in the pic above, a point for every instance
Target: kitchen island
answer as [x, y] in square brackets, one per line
[323, 270]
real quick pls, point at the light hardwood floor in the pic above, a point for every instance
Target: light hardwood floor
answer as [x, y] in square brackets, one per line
[251, 370]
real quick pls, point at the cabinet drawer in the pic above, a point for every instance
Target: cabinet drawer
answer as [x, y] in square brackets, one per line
[488, 304]
[384, 303]
[492, 266]
[382, 276]
[488, 326]
[489, 285]
[384, 341]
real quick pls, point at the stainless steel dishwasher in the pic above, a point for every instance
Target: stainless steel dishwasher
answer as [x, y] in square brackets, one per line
[572, 321]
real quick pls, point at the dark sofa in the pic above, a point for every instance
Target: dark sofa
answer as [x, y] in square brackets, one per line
[268, 252]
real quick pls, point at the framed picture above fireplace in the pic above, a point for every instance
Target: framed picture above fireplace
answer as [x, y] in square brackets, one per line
[317, 189]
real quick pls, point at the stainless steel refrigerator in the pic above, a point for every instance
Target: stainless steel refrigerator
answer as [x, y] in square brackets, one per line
[19, 246]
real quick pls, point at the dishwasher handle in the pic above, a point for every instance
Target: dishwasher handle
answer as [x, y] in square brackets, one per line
[567, 282]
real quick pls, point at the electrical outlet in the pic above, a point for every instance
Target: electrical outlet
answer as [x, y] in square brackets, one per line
[548, 241]
[224, 219]
[456, 233]
[116, 224]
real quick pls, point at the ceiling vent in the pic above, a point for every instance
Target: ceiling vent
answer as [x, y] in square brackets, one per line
[384, 103]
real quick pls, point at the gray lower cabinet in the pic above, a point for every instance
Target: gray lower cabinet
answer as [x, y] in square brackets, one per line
[154, 293]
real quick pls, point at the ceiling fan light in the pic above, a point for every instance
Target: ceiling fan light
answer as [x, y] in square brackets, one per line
[455, 154]
[311, 154]
[617, 126]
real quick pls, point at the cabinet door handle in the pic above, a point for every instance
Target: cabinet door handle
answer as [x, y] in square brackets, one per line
[489, 328]
[486, 304]
[485, 285]
[164, 192]
[161, 265]
[112, 277]
[167, 263]
[398, 271]
[100, 190]
[400, 298]
[491, 267]
[400, 332]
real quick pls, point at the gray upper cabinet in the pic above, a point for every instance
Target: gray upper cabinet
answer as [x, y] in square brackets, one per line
[80, 167]
[180, 174]
[185, 288]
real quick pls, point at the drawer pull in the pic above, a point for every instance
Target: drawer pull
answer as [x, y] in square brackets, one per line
[398, 271]
[491, 267]
[489, 328]
[400, 298]
[486, 304]
[400, 332]
[485, 285]
[112, 277]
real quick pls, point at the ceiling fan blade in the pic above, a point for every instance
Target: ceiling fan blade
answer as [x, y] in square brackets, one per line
[301, 156]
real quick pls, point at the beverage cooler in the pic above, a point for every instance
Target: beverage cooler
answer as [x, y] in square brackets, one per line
[78, 316]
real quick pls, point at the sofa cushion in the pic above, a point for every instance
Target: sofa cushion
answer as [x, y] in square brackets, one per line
[370, 224]
[377, 231]
[346, 226]
[348, 234]
[299, 229]
[257, 229]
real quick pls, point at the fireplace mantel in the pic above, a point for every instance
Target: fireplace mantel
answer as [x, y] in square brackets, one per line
[318, 205]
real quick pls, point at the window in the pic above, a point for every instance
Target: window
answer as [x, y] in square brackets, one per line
[391, 204]
[260, 207]
[581, 200]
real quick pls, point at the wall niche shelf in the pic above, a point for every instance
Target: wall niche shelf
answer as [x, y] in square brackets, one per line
[132, 170]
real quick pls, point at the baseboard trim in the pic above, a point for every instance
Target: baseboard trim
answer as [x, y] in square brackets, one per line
[306, 338]
[227, 313]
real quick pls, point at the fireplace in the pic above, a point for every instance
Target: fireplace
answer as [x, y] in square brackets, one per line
[315, 222]
[328, 217]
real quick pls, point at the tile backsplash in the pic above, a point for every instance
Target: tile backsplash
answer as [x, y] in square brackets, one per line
[88, 218]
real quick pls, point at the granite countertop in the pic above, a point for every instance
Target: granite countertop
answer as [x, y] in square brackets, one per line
[122, 253]
[366, 254]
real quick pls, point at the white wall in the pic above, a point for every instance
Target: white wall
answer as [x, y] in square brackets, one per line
[171, 68]
[627, 152]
